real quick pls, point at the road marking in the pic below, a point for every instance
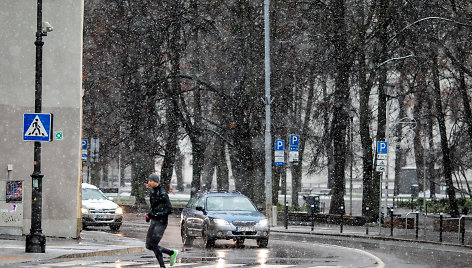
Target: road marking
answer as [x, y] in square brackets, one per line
[380, 263]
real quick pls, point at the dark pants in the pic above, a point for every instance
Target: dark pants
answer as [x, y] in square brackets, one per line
[154, 236]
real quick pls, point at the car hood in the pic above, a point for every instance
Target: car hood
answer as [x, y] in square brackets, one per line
[99, 204]
[230, 216]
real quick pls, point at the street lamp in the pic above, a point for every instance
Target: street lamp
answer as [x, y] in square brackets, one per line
[35, 240]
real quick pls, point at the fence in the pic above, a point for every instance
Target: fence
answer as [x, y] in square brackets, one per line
[407, 225]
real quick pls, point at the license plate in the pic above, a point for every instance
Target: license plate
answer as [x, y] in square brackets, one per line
[104, 217]
[245, 229]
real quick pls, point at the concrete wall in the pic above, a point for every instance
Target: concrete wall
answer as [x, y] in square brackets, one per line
[62, 96]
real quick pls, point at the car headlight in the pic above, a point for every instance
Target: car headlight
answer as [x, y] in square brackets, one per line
[264, 222]
[220, 222]
[118, 210]
[85, 210]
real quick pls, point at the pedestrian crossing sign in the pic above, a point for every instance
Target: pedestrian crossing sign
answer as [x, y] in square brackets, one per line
[37, 127]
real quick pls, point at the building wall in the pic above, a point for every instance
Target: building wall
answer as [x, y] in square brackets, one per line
[62, 96]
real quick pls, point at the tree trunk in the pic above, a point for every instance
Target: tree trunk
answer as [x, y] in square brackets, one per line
[208, 170]
[446, 157]
[143, 165]
[297, 169]
[341, 102]
[179, 165]
[222, 171]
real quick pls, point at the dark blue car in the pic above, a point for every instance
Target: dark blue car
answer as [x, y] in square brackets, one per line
[223, 215]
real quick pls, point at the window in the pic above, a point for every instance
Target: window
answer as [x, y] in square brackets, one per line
[92, 194]
[229, 203]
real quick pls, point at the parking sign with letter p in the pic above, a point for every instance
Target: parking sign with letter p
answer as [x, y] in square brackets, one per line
[382, 147]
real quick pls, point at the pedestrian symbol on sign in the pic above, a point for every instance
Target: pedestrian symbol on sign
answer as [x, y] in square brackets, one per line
[36, 128]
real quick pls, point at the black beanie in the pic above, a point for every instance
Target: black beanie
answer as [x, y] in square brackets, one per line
[153, 177]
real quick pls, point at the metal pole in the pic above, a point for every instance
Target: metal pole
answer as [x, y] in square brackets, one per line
[462, 230]
[350, 173]
[424, 175]
[416, 223]
[367, 221]
[268, 140]
[380, 205]
[119, 176]
[35, 240]
[312, 217]
[286, 215]
[391, 222]
[387, 135]
[440, 227]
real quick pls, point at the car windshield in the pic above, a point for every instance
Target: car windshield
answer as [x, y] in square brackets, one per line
[92, 194]
[229, 203]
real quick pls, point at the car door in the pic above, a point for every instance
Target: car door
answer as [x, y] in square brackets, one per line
[199, 216]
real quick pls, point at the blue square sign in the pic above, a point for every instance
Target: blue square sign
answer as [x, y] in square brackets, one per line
[37, 127]
[382, 147]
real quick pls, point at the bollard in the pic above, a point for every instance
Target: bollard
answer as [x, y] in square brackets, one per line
[417, 219]
[286, 216]
[342, 220]
[312, 217]
[462, 230]
[367, 221]
[440, 227]
[391, 222]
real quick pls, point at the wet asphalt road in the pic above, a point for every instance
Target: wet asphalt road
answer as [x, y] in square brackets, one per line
[281, 251]
[307, 250]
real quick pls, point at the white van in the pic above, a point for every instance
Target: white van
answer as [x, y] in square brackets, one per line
[99, 210]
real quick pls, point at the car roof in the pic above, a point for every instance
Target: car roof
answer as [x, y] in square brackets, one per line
[90, 186]
[220, 193]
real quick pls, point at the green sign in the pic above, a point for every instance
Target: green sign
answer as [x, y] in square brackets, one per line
[58, 135]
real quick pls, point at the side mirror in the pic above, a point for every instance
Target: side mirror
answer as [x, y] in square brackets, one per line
[110, 198]
[199, 208]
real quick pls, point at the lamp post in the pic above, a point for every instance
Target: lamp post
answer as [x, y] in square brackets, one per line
[267, 135]
[35, 240]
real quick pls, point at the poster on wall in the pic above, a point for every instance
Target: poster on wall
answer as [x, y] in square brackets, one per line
[14, 192]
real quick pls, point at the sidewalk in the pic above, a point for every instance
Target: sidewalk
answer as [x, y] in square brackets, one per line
[426, 234]
[91, 243]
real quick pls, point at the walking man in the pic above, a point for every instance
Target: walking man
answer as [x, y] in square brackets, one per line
[160, 210]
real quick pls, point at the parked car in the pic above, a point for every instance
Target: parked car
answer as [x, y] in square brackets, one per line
[223, 215]
[99, 210]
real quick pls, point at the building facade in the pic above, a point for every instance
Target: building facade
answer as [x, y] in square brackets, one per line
[61, 96]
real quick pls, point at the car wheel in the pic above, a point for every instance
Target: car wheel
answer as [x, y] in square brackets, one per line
[115, 227]
[186, 239]
[262, 242]
[208, 241]
[239, 242]
[84, 226]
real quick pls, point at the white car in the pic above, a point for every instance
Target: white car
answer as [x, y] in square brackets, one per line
[99, 210]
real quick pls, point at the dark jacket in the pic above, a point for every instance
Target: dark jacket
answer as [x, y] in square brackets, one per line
[160, 205]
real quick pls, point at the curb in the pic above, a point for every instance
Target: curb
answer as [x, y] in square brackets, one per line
[102, 253]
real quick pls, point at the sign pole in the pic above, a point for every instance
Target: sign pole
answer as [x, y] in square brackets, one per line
[36, 241]
[268, 139]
